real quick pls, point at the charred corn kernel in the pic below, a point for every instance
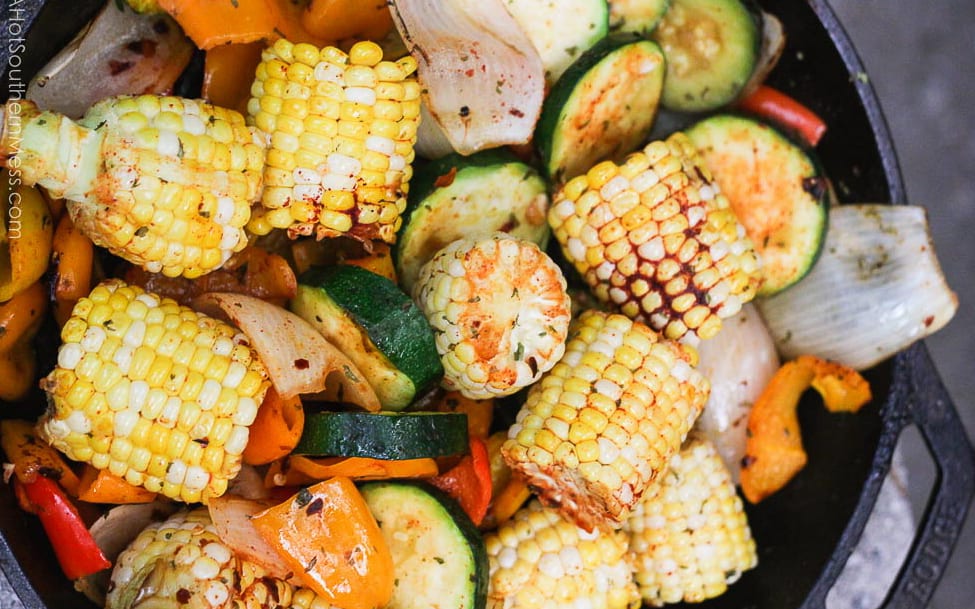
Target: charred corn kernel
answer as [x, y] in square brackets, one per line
[182, 562]
[656, 239]
[132, 157]
[537, 559]
[620, 401]
[183, 407]
[689, 536]
[347, 127]
[500, 312]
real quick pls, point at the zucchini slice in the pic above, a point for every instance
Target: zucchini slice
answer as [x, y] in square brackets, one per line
[639, 16]
[384, 435]
[776, 188]
[439, 558]
[459, 197]
[373, 322]
[560, 30]
[603, 106]
[712, 47]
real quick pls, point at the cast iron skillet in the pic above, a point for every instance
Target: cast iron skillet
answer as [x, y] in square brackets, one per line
[806, 532]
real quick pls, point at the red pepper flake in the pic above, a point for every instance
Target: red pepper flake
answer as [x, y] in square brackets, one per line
[469, 72]
[446, 179]
[516, 112]
[315, 506]
[183, 596]
[301, 364]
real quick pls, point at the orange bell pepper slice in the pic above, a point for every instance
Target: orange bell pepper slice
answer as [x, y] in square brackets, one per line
[20, 319]
[72, 256]
[773, 449]
[102, 486]
[509, 500]
[32, 457]
[330, 539]
[228, 72]
[276, 428]
[300, 470]
[469, 482]
[480, 413]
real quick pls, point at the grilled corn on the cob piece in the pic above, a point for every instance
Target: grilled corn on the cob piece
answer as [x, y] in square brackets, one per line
[154, 392]
[603, 423]
[538, 560]
[500, 312]
[181, 563]
[341, 129]
[164, 182]
[689, 536]
[655, 238]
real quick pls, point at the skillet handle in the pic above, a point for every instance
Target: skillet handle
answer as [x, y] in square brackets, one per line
[931, 409]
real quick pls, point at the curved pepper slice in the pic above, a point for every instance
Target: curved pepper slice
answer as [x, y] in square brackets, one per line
[75, 548]
[20, 319]
[773, 450]
[469, 482]
[26, 230]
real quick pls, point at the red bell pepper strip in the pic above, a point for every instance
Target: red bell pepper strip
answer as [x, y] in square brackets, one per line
[469, 482]
[781, 109]
[75, 548]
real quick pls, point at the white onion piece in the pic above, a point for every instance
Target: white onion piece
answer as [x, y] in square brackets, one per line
[876, 288]
[431, 141]
[773, 45]
[120, 52]
[298, 358]
[231, 515]
[739, 362]
[484, 80]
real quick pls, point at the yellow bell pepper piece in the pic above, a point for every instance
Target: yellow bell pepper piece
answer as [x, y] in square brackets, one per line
[26, 231]
[20, 319]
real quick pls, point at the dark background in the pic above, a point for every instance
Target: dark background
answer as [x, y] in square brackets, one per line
[919, 57]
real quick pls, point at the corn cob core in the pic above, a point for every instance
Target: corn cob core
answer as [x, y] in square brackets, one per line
[689, 536]
[341, 129]
[182, 563]
[540, 560]
[500, 313]
[603, 423]
[153, 392]
[655, 238]
[164, 182]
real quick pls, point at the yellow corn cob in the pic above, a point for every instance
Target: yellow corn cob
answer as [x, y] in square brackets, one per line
[602, 424]
[499, 308]
[181, 563]
[153, 392]
[341, 129]
[540, 560]
[164, 182]
[689, 536]
[655, 238]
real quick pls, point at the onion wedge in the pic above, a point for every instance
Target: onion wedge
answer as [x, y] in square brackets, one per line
[120, 52]
[484, 80]
[298, 359]
[739, 362]
[773, 45]
[876, 288]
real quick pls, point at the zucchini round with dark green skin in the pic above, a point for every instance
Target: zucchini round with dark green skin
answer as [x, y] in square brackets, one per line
[712, 48]
[602, 107]
[374, 323]
[384, 435]
[439, 557]
[775, 186]
[458, 197]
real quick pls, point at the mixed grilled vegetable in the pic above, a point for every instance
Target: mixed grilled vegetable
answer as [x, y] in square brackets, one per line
[317, 348]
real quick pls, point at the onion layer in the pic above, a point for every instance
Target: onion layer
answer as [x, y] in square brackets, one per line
[484, 80]
[738, 362]
[876, 288]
